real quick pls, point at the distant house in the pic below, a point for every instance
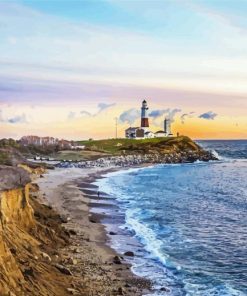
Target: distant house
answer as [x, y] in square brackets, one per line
[130, 132]
[149, 134]
[78, 147]
[160, 134]
[45, 142]
[138, 133]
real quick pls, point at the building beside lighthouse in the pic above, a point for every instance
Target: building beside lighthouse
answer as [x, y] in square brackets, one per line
[143, 132]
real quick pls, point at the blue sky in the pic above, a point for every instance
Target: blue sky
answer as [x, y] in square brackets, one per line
[189, 55]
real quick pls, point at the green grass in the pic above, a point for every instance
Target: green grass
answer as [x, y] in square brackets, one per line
[115, 146]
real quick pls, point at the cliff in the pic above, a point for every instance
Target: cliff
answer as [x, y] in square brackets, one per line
[15, 213]
[25, 266]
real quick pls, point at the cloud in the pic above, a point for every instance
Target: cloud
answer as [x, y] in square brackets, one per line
[129, 116]
[157, 113]
[85, 113]
[168, 113]
[71, 115]
[104, 106]
[184, 116]
[172, 113]
[101, 107]
[13, 120]
[208, 115]
[18, 119]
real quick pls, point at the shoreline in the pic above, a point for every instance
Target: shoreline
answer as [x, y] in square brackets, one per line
[72, 194]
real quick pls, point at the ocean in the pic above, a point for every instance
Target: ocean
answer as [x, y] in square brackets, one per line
[186, 223]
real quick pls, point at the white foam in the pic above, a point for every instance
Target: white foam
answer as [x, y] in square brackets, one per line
[147, 236]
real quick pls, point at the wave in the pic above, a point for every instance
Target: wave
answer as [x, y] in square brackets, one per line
[155, 262]
[147, 236]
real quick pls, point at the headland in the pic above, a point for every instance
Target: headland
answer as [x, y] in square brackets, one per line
[52, 244]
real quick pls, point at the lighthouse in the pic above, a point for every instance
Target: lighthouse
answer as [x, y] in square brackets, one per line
[144, 116]
[143, 131]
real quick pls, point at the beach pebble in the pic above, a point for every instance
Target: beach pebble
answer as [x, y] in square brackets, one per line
[117, 260]
[72, 291]
[63, 269]
[46, 256]
[112, 233]
[72, 261]
[13, 250]
[129, 253]
[164, 289]
[72, 232]
[121, 291]
[63, 219]
[29, 272]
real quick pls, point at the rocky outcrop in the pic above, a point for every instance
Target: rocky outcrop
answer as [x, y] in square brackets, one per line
[138, 159]
[12, 178]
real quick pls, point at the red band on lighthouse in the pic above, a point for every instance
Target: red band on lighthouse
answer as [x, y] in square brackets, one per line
[144, 122]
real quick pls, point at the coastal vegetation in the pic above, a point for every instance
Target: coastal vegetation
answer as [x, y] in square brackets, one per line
[120, 146]
[13, 152]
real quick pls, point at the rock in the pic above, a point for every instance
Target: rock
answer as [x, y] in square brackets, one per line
[46, 256]
[36, 257]
[65, 219]
[120, 291]
[76, 250]
[72, 232]
[13, 250]
[13, 177]
[164, 289]
[72, 291]
[63, 269]
[129, 253]
[29, 272]
[56, 257]
[112, 233]
[92, 220]
[117, 260]
[73, 261]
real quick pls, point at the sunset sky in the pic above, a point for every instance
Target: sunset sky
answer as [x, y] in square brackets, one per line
[69, 68]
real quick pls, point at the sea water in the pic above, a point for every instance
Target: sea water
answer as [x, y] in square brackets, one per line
[190, 220]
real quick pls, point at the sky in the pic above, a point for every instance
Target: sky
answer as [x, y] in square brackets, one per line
[69, 68]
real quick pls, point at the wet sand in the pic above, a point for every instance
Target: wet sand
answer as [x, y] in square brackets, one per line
[72, 194]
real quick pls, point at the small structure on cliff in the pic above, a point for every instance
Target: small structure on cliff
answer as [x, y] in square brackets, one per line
[143, 132]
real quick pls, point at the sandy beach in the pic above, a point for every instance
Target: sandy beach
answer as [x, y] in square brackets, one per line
[97, 268]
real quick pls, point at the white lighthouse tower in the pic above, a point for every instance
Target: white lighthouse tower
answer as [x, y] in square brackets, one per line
[144, 115]
[167, 127]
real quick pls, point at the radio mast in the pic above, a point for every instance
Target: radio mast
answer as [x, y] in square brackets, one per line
[116, 127]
